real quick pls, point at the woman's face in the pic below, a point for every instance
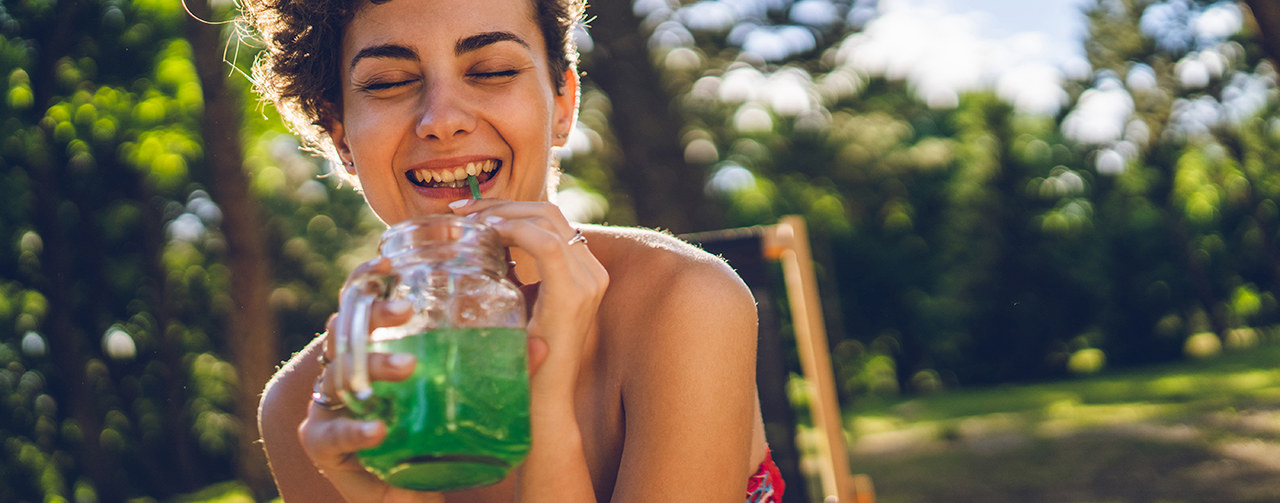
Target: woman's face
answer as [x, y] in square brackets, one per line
[434, 89]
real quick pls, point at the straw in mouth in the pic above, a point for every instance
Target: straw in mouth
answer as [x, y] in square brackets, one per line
[475, 186]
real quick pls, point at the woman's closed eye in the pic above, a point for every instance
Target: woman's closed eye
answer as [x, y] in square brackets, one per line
[383, 85]
[495, 75]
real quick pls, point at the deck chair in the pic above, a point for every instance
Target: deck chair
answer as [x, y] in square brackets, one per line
[755, 253]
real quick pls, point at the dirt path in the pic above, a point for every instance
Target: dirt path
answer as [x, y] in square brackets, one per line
[1221, 455]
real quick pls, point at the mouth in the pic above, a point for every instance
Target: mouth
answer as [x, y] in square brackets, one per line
[455, 177]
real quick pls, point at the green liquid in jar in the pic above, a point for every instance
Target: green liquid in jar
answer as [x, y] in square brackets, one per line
[462, 419]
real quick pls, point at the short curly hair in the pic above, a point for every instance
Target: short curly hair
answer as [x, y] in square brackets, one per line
[298, 68]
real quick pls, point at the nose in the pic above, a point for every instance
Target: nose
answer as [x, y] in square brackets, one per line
[444, 114]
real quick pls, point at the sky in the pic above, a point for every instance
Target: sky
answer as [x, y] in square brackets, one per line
[1024, 49]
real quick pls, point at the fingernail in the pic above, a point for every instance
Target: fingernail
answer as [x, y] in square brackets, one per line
[369, 429]
[399, 306]
[459, 203]
[400, 360]
[493, 220]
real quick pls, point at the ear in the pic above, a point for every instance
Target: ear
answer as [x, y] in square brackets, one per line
[338, 135]
[566, 107]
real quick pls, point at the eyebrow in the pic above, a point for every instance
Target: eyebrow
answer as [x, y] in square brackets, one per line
[391, 51]
[475, 42]
[472, 43]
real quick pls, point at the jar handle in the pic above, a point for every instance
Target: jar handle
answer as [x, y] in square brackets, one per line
[352, 344]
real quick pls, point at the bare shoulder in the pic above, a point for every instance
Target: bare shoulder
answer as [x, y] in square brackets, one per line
[664, 287]
[649, 265]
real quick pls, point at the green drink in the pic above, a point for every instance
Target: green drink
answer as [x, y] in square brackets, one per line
[462, 419]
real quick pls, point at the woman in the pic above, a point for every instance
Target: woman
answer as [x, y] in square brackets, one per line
[642, 348]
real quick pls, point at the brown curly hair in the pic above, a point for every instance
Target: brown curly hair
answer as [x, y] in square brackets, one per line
[298, 68]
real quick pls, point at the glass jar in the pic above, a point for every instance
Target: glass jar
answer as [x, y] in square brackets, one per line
[462, 419]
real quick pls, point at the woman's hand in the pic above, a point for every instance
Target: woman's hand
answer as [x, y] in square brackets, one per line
[329, 436]
[571, 285]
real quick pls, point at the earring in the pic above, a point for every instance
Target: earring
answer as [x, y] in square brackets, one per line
[561, 136]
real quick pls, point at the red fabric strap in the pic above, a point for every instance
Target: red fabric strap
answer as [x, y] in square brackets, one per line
[766, 486]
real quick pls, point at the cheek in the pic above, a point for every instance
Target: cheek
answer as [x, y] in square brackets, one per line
[371, 140]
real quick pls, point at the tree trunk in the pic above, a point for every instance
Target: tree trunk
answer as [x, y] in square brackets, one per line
[665, 191]
[68, 353]
[1267, 14]
[252, 335]
[58, 273]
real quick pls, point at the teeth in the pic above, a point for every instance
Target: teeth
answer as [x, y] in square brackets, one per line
[455, 177]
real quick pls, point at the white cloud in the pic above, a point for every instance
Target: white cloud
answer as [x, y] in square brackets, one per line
[942, 53]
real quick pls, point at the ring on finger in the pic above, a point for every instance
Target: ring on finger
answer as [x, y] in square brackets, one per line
[577, 237]
[325, 402]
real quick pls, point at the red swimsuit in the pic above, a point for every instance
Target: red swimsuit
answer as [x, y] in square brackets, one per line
[766, 485]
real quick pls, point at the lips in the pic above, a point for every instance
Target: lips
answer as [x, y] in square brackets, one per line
[455, 177]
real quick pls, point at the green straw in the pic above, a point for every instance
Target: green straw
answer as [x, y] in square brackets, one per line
[475, 186]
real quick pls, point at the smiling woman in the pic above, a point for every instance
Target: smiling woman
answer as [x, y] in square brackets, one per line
[475, 98]
[641, 347]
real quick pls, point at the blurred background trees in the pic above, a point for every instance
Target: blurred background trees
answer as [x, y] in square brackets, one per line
[165, 242]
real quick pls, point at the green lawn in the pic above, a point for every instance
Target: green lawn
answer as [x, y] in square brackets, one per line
[1203, 431]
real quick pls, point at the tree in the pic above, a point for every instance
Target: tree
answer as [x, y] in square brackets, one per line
[251, 331]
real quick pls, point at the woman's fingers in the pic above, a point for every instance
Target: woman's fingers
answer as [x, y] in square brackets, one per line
[391, 367]
[567, 271]
[386, 313]
[546, 215]
[377, 266]
[571, 285]
[387, 367]
[329, 435]
[565, 264]
[331, 440]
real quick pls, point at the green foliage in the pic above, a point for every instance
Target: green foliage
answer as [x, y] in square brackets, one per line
[987, 245]
[113, 365]
[957, 246]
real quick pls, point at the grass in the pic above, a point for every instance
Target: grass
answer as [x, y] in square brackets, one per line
[1198, 431]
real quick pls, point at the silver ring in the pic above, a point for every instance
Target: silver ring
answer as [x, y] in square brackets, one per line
[577, 237]
[325, 402]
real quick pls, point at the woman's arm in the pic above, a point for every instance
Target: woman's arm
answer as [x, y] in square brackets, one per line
[690, 394]
[283, 407]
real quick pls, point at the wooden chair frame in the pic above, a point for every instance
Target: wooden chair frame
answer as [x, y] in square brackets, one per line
[787, 243]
